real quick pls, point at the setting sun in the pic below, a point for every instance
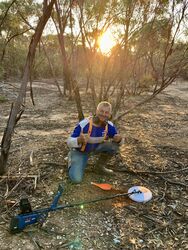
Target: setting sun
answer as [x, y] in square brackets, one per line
[106, 42]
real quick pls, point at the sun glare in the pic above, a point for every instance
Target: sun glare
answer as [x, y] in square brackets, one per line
[106, 42]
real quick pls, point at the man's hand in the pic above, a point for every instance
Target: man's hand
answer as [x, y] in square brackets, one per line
[117, 138]
[83, 138]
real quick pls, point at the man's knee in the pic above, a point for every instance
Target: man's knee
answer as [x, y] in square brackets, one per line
[75, 179]
[74, 175]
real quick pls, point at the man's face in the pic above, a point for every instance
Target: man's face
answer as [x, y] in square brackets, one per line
[103, 113]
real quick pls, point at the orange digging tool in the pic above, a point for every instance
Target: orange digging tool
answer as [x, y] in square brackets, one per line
[103, 186]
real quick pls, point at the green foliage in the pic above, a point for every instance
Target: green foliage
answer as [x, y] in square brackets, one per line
[1, 71]
[144, 33]
[146, 82]
[14, 36]
[2, 99]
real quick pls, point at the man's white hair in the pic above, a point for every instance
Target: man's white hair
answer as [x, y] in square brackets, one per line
[105, 104]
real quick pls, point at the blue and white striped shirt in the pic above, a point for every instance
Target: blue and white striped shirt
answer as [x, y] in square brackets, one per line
[96, 136]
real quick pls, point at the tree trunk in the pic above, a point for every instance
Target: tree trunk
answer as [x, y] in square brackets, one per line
[78, 100]
[72, 83]
[52, 70]
[18, 107]
[66, 67]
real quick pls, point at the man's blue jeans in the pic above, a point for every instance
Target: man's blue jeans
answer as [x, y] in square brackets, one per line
[77, 161]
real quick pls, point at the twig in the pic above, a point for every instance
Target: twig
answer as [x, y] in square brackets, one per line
[177, 163]
[161, 227]
[164, 193]
[153, 172]
[31, 158]
[158, 173]
[34, 241]
[165, 225]
[17, 176]
[36, 178]
[55, 164]
[35, 182]
[145, 216]
[174, 182]
[4, 228]
[8, 193]
[21, 177]
[51, 232]
[6, 190]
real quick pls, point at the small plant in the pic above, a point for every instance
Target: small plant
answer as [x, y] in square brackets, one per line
[2, 99]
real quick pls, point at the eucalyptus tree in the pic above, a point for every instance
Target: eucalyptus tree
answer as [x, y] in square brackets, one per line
[18, 106]
[14, 33]
[146, 43]
[95, 18]
[155, 59]
[142, 61]
[63, 13]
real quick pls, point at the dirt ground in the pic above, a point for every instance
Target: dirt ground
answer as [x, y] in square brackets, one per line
[155, 155]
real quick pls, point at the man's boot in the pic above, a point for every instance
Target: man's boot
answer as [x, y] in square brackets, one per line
[101, 162]
[106, 170]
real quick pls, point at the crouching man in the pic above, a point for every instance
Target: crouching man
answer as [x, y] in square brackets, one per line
[93, 135]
